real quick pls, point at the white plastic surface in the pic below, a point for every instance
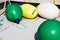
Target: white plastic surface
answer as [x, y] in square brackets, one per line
[14, 31]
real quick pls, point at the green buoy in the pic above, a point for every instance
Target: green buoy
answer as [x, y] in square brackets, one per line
[14, 13]
[49, 30]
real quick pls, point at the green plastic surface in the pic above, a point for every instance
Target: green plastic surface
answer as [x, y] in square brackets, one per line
[13, 12]
[49, 30]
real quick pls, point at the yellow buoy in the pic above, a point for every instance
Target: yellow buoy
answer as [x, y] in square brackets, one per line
[29, 11]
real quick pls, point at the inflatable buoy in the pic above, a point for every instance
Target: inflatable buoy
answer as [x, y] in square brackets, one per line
[49, 30]
[48, 10]
[14, 13]
[29, 11]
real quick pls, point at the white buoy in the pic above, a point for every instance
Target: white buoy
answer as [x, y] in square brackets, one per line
[48, 10]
